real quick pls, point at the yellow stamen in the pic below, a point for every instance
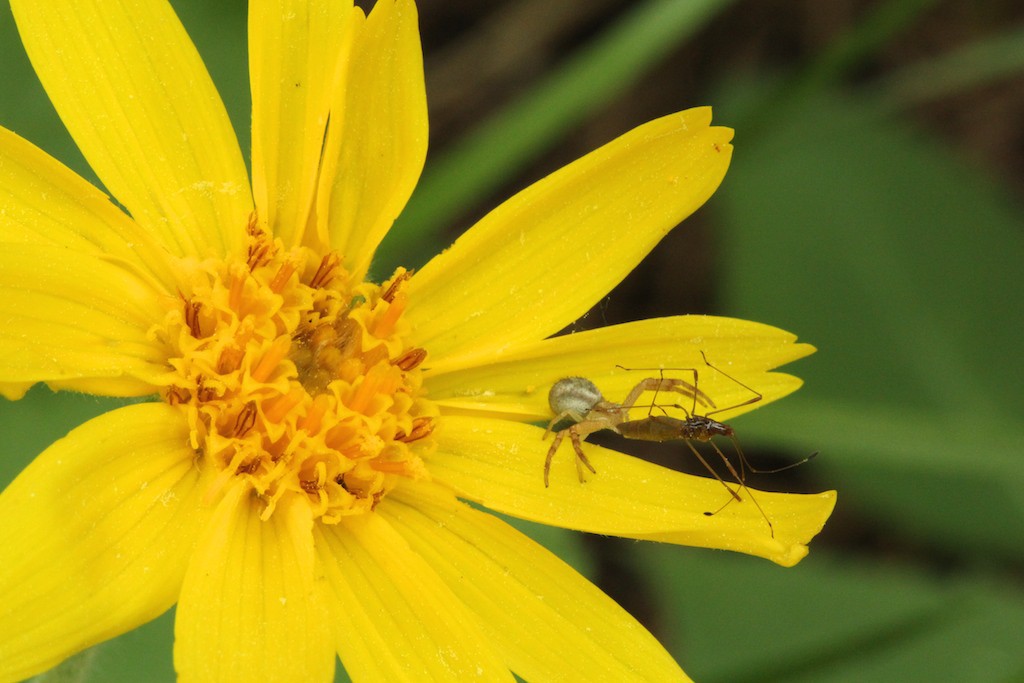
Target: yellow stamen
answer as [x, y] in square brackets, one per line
[385, 324]
[271, 359]
[275, 409]
[289, 388]
[281, 279]
[314, 416]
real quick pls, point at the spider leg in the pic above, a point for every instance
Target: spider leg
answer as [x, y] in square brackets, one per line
[580, 455]
[680, 386]
[564, 415]
[551, 454]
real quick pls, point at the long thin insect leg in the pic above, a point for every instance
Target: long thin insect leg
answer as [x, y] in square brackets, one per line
[744, 463]
[661, 378]
[771, 529]
[742, 481]
[657, 388]
[693, 408]
[757, 395]
[740, 478]
[710, 469]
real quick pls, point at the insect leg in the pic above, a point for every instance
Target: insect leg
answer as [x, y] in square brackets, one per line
[757, 395]
[742, 481]
[711, 469]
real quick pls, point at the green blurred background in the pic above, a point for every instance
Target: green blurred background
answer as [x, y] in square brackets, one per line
[873, 208]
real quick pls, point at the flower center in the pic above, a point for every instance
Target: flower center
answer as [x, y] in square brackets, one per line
[296, 380]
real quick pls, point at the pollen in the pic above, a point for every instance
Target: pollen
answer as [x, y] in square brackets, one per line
[297, 381]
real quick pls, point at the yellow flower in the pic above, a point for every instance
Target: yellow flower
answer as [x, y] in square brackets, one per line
[297, 488]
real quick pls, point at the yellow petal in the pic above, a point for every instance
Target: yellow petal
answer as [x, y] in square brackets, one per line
[134, 94]
[550, 623]
[373, 159]
[75, 321]
[249, 607]
[548, 254]
[95, 537]
[44, 202]
[293, 53]
[394, 619]
[500, 464]
[517, 385]
[13, 391]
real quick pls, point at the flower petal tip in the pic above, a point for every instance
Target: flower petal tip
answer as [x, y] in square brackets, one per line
[811, 522]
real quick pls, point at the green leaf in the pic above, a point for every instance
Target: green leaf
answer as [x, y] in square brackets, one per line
[502, 146]
[26, 109]
[30, 425]
[901, 263]
[144, 654]
[917, 474]
[868, 35]
[989, 59]
[75, 669]
[831, 619]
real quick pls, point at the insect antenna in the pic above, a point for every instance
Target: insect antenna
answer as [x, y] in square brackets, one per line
[789, 466]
